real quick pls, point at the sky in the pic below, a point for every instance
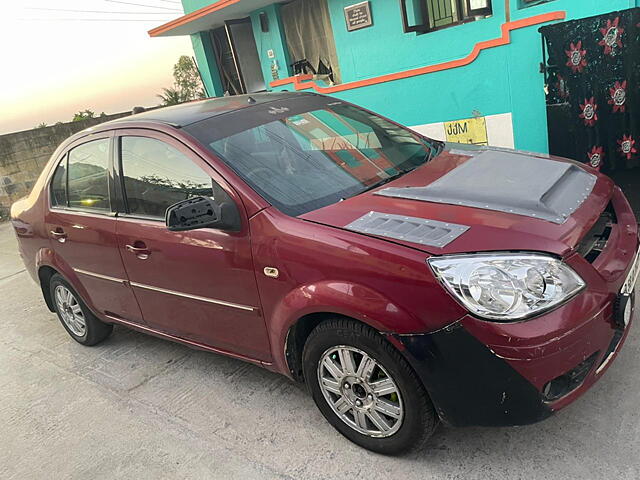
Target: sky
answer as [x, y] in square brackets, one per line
[55, 63]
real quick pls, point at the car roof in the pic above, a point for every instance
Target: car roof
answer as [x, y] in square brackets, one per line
[192, 112]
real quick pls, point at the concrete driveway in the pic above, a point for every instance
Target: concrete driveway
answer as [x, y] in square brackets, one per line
[139, 407]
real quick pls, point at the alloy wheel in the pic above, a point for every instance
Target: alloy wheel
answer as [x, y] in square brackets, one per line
[70, 310]
[360, 391]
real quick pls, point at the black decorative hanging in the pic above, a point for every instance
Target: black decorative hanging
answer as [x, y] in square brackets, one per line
[592, 75]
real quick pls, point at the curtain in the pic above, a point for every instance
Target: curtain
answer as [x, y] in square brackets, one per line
[594, 72]
[309, 35]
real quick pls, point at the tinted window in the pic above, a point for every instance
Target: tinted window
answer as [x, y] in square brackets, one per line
[304, 160]
[88, 184]
[156, 176]
[59, 185]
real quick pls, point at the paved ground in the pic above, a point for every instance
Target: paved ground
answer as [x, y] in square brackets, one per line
[140, 407]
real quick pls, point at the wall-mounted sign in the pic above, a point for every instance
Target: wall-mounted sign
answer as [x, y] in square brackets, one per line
[478, 4]
[470, 130]
[479, 7]
[358, 16]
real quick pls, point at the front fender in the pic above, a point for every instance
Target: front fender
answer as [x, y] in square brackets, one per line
[340, 298]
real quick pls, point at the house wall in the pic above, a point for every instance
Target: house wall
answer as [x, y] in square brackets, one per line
[206, 60]
[273, 40]
[23, 155]
[503, 84]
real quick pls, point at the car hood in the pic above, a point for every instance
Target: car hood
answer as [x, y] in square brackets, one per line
[478, 226]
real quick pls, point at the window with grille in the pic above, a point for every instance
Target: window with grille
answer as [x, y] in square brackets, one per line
[421, 16]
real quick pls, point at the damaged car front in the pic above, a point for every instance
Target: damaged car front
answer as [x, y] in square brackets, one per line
[540, 252]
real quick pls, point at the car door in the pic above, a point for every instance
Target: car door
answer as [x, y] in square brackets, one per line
[200, 284]
[82, 226]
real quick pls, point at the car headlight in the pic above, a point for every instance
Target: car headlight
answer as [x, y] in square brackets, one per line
[506, 286]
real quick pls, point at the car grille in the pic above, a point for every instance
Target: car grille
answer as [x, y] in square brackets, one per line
[595, 241]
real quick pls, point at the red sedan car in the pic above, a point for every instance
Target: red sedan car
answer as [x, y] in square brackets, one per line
[405, 280]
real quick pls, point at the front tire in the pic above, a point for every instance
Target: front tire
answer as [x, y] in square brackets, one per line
[83, 326]
[365, 389]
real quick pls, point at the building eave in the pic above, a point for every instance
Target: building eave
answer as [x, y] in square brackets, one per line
[209, 17]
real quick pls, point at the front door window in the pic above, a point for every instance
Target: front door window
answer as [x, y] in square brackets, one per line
[156, 176]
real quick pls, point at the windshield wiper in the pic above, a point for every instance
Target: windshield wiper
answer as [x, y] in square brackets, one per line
[388, 179]
[431, 154]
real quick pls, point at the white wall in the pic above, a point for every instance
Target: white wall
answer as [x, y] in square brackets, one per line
[499, 130]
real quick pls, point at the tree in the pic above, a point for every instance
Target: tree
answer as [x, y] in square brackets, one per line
[83, 115]
[42, 125]
[172, 96]
[186, 83]
[187, 78]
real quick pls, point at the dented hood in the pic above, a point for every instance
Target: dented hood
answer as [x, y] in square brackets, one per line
[470, 199]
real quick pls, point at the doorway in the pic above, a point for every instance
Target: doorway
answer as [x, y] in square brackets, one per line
[237, 57]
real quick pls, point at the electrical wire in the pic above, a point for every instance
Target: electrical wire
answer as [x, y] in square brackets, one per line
[141, 5]
[87, 19]
[96, 11]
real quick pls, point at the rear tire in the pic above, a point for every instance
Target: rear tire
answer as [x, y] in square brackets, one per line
[382, 407]
[83, 326]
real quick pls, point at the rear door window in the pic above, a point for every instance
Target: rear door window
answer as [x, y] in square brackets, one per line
[88, 176]
[156, 175]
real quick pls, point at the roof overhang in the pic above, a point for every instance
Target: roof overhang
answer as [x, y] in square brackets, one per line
[209, 17]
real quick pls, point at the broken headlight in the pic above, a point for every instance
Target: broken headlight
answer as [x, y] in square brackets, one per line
[505, 286]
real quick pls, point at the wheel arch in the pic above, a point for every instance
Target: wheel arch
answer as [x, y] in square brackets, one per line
[45, 272]
[299, 332]
[293, 317]
[48, 263]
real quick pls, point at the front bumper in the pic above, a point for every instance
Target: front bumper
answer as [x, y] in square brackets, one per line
[487, 373]
[470, 384]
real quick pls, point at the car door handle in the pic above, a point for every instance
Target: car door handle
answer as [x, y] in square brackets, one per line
[141, 252]
[59, 235]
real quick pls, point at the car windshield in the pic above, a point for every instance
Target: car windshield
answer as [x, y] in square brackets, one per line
[300, 160]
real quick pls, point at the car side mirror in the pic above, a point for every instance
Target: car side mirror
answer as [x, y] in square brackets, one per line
[194, 213]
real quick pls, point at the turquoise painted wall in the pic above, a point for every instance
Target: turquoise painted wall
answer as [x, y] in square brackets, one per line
[203, 51]
[272, 40]
[503, 79]
[206, 60]
[191, 5]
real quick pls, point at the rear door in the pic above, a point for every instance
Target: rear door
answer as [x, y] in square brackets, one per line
[200, 284]
[81, 223]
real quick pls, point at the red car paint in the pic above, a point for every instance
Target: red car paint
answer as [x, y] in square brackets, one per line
[323, 268]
